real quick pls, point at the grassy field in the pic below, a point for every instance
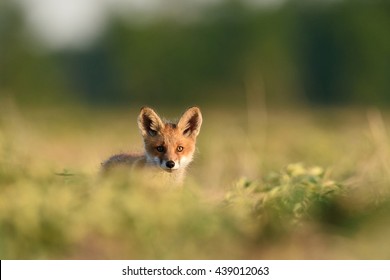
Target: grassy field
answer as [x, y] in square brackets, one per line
[265, 184]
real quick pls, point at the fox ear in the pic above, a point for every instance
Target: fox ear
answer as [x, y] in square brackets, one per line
[149, 122]
[190, 122]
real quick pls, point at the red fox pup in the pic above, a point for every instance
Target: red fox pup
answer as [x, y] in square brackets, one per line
[168, 146]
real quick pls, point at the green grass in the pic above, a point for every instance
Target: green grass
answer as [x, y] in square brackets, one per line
[282, 184]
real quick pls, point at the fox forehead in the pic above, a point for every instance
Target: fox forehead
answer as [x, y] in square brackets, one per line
[169, 135]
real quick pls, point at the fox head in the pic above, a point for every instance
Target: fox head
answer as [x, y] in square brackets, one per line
[169, 146]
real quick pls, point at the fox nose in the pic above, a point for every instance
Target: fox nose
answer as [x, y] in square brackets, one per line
[170, 164]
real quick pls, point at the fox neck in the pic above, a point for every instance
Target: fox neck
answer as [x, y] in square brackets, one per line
[174, 178]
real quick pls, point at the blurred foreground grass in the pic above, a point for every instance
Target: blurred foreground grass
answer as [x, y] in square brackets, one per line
[245, 197]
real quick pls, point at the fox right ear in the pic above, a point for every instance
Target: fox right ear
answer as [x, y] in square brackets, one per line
[149, 122]
[190, 122]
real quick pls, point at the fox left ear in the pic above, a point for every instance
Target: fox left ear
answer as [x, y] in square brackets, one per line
[149, 122]
[190, 122]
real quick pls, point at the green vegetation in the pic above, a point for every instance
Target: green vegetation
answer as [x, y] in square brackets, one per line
[244, 197]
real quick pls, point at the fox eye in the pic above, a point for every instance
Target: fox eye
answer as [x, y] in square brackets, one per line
[179, 148]
[160, 149]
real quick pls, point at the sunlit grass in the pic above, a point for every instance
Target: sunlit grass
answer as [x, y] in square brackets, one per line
[289, 184]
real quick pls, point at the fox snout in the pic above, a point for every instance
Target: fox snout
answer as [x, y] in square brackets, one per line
[170, 164]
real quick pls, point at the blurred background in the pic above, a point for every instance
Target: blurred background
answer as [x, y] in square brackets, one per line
[293, 158]
[130, 52]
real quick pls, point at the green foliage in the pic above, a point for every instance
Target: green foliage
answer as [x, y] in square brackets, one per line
[286, 199]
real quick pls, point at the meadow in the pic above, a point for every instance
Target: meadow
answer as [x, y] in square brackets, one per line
[266, 183]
